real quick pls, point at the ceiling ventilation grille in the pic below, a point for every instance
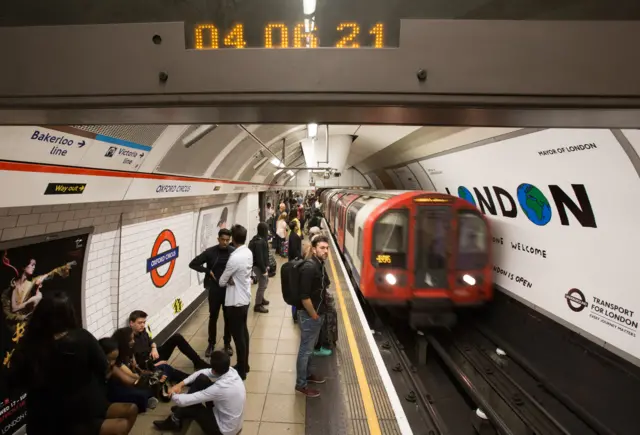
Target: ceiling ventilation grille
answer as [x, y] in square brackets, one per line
[140, 134]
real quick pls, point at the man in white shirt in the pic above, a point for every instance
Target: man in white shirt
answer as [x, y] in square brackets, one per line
[215, 400]
[237, 278]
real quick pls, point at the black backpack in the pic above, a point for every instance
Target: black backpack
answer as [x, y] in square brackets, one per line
[290, 280]
[273, 266]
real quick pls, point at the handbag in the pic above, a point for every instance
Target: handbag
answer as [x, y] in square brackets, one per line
[153, 382]
[273, 266]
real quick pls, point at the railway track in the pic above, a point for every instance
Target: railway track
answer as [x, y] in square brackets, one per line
[467, 385]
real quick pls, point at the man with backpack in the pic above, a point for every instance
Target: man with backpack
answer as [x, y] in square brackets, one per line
[310, 281]
[212, 263]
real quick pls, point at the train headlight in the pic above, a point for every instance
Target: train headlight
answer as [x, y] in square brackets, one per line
[469, 279]
[390, 278]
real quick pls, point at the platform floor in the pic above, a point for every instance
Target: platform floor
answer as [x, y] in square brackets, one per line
[354, 399]
[272, 405]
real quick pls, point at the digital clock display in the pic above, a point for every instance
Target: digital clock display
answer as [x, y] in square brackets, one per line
[305, 34]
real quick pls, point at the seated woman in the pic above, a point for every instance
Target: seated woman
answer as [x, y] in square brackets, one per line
[121, 381]
[63, 370]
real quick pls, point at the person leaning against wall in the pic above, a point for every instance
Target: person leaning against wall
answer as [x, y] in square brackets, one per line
[63, 370]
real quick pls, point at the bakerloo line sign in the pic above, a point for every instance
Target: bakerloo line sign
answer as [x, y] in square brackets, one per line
[533, 203]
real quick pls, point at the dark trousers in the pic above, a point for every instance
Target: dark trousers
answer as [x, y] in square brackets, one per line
[178, 341]
[238, 325]
[216, 302]
[201, 413]
[118, 393]
[173, 375]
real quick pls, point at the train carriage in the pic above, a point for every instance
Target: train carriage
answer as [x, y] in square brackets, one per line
[422, 252]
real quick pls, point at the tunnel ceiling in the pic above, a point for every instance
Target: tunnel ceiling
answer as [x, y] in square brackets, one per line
[245, 152]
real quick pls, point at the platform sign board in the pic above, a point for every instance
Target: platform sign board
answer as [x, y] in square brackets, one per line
[563, 204]
[28, 273]
[68, 146]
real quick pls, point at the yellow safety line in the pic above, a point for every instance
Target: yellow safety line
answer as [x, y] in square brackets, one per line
[365, 391]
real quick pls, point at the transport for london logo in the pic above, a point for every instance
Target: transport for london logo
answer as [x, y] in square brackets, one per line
[161, 256]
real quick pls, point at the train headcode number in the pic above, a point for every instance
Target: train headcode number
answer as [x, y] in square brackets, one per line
[383, 259]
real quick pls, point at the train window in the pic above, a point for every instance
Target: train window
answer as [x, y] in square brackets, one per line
[433, 239]
[359, 251]
[473, 246]
[351, 216]
[390, 239]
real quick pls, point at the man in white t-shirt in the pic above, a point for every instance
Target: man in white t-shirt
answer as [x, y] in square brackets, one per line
[215, 400]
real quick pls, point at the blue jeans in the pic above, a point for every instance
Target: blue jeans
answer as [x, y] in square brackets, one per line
[310, 330]
[172, 374]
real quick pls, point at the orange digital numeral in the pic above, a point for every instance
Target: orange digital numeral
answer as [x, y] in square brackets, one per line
[268, 35]
[378, 35]
[302, 39]
[235, 37]
[213, 36]
[383, 259]
[349, 40]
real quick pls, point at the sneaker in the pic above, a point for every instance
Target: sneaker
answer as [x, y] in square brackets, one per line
[322, 352]
[265, 302]
[260, 309]
[152, 402]
[313, 379]
[170, 424]
[228, 349]
[309, 392]
[209, 351]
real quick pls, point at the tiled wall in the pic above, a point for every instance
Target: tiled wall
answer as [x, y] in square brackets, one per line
[114, 239]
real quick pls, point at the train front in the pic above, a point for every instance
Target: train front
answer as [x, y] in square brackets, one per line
[452, 259]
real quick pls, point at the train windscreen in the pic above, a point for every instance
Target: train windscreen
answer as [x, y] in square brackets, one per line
[473, 244]
[390, 239]
[433, 237]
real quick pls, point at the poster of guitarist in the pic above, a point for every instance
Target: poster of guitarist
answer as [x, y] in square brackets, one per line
[27, 274]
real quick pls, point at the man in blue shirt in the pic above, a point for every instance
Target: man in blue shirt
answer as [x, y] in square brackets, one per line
[237, 278]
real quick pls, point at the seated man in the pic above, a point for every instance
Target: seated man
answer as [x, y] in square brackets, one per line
[215, 400]
[145, 349]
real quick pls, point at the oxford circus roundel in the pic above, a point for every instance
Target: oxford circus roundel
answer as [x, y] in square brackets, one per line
[161, 256]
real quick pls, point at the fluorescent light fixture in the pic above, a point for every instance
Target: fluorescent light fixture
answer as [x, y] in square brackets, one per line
[277, 172]
[275, 162]
[307, 25]
[312, 130]
[292, 177]
[309, 6]
[198, 134]
[290, 172]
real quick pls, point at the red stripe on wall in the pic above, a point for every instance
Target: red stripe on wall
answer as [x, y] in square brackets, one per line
[51, 169]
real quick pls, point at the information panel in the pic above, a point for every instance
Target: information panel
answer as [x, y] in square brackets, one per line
[271, 24]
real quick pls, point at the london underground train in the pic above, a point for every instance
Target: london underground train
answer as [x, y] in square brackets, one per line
[419, 254]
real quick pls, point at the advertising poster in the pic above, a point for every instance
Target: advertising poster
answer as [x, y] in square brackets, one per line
[563, 207]
[27, 274]
[212, 220]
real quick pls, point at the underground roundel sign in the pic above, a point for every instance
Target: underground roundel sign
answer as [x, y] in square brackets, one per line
[163, 258]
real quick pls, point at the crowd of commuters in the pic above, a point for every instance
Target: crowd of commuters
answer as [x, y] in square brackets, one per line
[77, 384]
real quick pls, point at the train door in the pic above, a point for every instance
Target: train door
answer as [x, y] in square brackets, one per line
[333, 207]
[433, 249]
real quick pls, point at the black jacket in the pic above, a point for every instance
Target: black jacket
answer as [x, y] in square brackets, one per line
[260, 249]
[314, 282]
[295, 246]
[212, 259]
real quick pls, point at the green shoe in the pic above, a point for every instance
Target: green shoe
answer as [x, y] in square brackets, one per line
[322, 352]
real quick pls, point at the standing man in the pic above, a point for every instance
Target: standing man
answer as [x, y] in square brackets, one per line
[212, 263]
[237, 278]
[259, 247]
[314, 282]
